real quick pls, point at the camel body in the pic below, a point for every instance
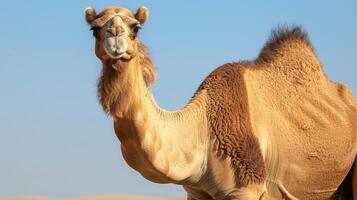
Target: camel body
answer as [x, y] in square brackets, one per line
[273, 128]
[306, 124]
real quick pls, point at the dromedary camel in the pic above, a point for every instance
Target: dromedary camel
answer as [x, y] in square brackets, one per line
[272, 128]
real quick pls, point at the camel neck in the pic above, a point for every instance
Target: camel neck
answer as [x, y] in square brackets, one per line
[146, 131]
[122, 89]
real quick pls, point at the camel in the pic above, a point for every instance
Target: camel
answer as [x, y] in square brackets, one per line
[272, 128]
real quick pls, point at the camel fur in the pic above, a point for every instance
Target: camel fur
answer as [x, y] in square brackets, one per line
[272, 128]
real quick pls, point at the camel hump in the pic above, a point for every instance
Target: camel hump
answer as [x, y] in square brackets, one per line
[288, 44]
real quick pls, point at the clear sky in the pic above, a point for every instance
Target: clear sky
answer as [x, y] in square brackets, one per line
[54, 138]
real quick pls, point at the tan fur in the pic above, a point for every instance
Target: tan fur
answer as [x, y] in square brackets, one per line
[272, 128]
[90, 15]
[142, 14]
[115, 83]
[310, 120]
[230, 125]
[279, 37]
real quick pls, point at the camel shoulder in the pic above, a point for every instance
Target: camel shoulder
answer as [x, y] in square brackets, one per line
[229, 123]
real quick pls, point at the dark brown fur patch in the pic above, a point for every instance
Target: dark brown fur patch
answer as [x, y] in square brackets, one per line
[280, 36]
[229, 123]
[228, 109]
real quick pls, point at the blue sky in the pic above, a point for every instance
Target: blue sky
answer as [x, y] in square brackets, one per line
[54, 138]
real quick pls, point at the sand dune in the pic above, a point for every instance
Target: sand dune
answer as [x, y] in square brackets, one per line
[92, 198]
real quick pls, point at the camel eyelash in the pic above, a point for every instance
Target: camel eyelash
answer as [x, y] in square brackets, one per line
[95, 30]
[136, 28]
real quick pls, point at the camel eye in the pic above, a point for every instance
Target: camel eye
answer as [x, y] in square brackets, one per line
[136, 28]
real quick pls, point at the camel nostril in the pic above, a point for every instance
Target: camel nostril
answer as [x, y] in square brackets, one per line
[112, 31]
[120, 31]
[116, 32]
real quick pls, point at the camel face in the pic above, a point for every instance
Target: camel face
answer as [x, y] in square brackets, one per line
[115, 30]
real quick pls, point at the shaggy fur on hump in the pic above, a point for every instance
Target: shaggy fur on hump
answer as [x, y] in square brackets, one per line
[228, 109]
[117, 81]
[281, 36]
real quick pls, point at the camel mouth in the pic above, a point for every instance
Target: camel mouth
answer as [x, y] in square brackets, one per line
[115, 47]
[114, 52]
[116, 55]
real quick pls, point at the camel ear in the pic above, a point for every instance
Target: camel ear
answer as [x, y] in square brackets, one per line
[90, 15]
[142, 14]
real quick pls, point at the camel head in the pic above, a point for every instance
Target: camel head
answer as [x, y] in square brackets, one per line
[124, 58]
[115, 30]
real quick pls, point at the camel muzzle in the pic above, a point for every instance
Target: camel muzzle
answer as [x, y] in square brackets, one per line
[115, 46]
